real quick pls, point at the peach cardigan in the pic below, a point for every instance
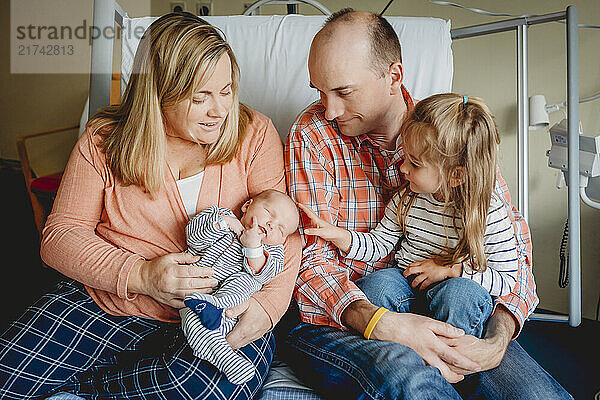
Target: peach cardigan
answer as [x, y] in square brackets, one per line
[99, 228]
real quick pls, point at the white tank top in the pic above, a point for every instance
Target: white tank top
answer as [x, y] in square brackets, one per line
[189, 189]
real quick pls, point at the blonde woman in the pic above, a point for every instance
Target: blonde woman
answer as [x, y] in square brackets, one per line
[179, 143]
[455, 246]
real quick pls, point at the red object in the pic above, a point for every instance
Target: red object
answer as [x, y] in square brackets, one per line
[47, 184]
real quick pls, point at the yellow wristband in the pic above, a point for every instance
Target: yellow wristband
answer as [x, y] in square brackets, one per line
[374, 320]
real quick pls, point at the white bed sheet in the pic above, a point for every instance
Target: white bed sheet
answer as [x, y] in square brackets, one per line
[272, 52]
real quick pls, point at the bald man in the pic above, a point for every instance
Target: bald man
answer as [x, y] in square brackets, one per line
[343, 157]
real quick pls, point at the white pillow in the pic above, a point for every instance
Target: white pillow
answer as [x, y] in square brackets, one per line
[272, 52]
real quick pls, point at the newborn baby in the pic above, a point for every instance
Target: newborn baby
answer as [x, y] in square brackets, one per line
[245, 254]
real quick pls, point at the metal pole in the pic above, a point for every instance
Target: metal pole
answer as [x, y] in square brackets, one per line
[573, 132]
[503, 26]
[523, 123]
[102, 50]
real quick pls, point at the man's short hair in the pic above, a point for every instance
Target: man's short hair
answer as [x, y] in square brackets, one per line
[385, 46]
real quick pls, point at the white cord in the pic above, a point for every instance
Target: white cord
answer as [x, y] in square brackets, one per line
[494, 14]
[557, 106]
[476, 10]
[549, 108]
[587, 200]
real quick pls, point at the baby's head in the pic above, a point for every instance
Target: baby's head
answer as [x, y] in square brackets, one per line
[276, 215]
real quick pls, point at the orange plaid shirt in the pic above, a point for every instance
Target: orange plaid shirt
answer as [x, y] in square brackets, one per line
[348, 181]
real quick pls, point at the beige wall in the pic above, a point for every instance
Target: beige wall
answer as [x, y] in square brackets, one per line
[483, 67]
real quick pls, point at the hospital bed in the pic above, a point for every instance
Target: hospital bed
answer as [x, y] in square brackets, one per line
[273, 52]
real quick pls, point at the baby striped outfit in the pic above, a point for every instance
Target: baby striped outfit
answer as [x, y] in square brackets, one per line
[209, 236]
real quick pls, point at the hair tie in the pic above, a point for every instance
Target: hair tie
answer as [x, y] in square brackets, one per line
[465, 99]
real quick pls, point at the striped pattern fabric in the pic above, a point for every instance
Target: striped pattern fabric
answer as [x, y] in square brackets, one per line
[348, 181]
[209, 237]
[430, 230]
[66, 343]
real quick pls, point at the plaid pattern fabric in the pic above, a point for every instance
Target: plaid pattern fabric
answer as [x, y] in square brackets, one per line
[348, 181]
[523, 299]
[288, 393]
[66, 343]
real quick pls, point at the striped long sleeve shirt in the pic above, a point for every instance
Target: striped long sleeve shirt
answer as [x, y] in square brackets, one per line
[430, 230]
[348, 181]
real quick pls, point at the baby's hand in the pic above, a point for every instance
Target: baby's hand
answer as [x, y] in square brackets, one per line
[234, 224]
[252, 237]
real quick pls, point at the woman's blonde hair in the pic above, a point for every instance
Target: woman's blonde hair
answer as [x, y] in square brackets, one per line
[457, 135]
[177, 54]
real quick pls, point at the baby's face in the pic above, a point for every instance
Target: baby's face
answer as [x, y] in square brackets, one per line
[276, 218]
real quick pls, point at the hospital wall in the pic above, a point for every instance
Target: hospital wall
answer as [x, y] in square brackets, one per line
[483, 67]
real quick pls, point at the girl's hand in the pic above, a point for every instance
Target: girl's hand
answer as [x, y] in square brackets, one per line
[429, 272]
[340, 237]
[252, 238]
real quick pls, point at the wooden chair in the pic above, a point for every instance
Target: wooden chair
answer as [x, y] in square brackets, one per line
[41, 189]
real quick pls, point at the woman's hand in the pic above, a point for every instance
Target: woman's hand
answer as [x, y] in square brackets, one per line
[169, 278]
[428, 272]
[253, 323]
[340, 237]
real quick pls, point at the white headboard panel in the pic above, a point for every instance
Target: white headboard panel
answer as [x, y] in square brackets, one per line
[272, 52]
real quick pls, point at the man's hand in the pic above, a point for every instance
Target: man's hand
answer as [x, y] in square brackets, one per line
[428, 272]
[422, 334]
[488, 352]
[425, 336]
[252, 324]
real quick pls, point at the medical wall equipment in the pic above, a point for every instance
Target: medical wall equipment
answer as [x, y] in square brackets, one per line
[589, 159]
[589, 168]
[539, 110]
[273, 51]
[589, 171]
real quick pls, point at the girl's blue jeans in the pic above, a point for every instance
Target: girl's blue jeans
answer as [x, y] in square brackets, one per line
[461, 302]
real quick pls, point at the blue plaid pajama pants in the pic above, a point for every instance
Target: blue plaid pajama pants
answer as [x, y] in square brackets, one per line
[66, 343]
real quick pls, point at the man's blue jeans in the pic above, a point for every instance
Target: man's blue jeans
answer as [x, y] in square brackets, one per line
[343, 364]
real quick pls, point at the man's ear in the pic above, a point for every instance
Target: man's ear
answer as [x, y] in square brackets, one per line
[458, 177]
[397, 76]
[246, 205]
